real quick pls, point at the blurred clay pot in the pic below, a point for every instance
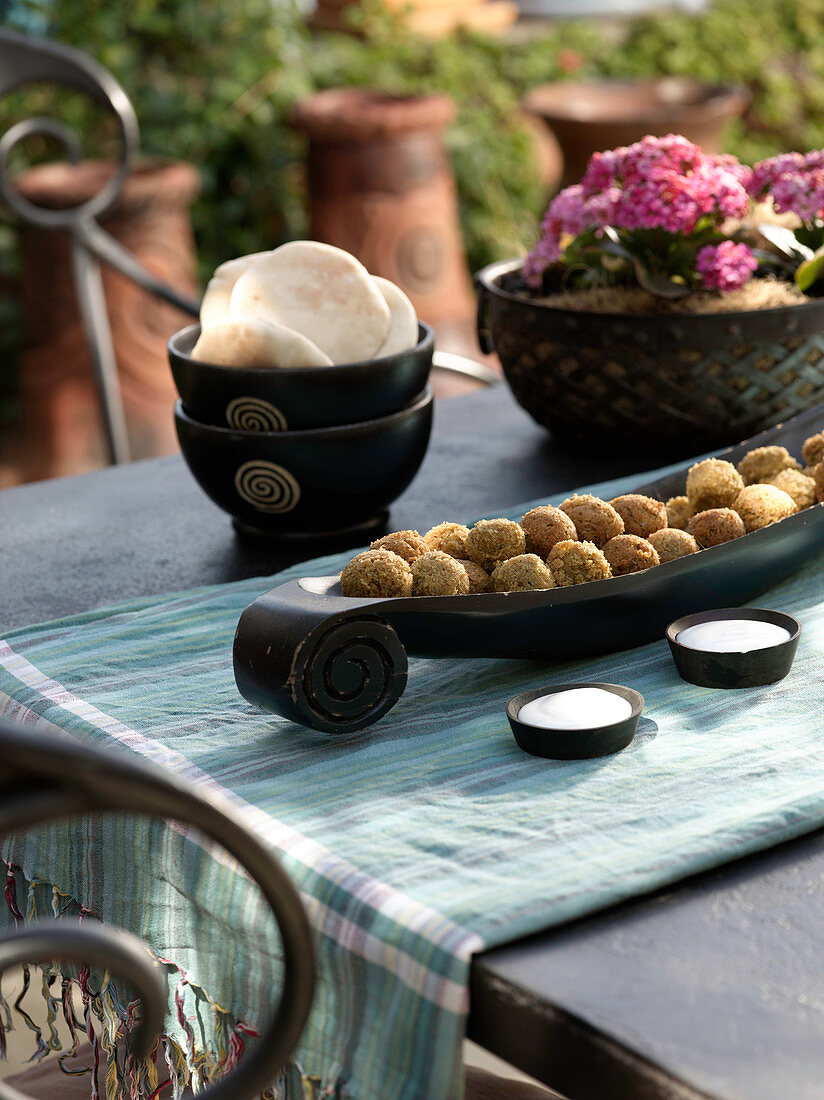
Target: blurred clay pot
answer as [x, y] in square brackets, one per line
[381, 186]
[61, 419]
[588, 117]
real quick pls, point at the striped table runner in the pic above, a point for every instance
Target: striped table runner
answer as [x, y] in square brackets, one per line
[414, 844]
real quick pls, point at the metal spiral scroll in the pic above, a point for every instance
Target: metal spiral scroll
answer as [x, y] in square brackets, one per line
[253, 414]
[267, 486]
[349, 675]
[41, 778]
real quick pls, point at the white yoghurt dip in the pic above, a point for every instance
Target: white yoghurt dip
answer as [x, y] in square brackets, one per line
[733, 636]
[575, 709]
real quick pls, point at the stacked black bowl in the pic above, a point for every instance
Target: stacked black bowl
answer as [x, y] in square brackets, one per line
[304, 452]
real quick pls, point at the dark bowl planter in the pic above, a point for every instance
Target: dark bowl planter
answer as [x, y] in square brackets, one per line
[307, 482]
[673, 385]
[298, 398]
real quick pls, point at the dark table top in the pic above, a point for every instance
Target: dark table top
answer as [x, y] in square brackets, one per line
[714, 988]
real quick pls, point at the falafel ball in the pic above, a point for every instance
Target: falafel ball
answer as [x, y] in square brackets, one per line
[594, 519]
[630, 554]
[406, 544]
[526, 571]
[813, 449]
[438, 574]
[761, 505]
[716, 525]
[796, 485]
[818, 477]
[679, 512]
[713, 483]
[492, 541]
[641, 515]
[577, 562]
[478, 578]
[449, 537]
[671, 543]
[376, 573]
[763, 463]
[544, 527]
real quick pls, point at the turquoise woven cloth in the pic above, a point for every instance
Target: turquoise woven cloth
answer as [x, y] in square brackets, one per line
[415, 843]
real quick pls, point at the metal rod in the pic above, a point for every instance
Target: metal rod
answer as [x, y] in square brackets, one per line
[92, 301]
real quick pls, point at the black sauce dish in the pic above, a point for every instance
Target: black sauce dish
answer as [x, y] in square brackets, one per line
[753, 668]
[580, 744]
[307, 482]
[297, 398]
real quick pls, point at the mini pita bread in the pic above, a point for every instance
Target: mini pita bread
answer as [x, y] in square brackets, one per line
[321, 292]
[403, 323]
[215, 302]
[239, 341]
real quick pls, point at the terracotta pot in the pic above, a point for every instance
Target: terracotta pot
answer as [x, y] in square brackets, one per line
[381, 186]
[589, 117]
[61, 422]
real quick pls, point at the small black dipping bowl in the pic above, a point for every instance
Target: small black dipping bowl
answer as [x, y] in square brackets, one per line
[734, 670]
[296, 398]
[307, 483]
[574, 744]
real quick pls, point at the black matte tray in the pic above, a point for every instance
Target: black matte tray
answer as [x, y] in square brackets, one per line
[305, 651]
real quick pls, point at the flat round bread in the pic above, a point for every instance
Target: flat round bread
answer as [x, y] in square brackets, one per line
[403, 322]
[239, 341]
[319, 291]
[215, 302]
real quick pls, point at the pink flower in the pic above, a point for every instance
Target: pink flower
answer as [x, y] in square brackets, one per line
[794, 181]
[725, 266]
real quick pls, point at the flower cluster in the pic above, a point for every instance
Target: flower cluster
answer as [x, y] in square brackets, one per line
[664, 184]
[795, 182]
[725, 266]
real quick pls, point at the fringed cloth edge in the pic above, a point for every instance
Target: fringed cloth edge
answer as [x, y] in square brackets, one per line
[107, 1022]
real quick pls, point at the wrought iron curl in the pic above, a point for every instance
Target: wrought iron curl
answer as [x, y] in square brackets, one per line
[42, 778]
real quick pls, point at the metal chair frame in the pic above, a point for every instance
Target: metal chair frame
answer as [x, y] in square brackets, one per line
[42, 778]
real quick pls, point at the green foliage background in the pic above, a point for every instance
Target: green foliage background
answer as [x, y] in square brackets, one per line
[214, 84]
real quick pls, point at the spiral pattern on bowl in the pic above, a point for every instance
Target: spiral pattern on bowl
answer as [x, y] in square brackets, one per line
[267, 486]
[253, 414]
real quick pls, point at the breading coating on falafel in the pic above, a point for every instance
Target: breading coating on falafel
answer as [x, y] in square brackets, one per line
[595, 520]
[818, 478]
[449, 537]
[544, 527]
[630, 554]
[526, 571]
[713, 483]
[716, 525]
[760, 505]
[376, 573]
[641, 515]
[813, 449]
[763, 463]
[576, 563]
[478, 578]
[492, 541]
[679, 512]
[438, 574]
[796, 485]
[671, 543]
[406, 544]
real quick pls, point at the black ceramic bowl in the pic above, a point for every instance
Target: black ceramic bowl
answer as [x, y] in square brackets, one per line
[574, 744]
[307, 482]
[734, 670]
[296, 398]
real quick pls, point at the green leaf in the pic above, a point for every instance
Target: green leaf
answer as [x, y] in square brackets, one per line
[785, 241]
[659, 285]
[811, 270]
